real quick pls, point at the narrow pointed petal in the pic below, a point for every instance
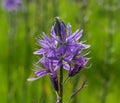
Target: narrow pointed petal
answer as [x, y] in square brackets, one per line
[75, 70]
[63, 32]
[42, 43]
[59, 63]
[53, 58]
[72, 37]
[82, 61]
[56, 38]
[45, 37]
[83, 46]
[41, 73]
[40, 51]
[78, 35]
[69, 30]
[66, 66]
[32, 79]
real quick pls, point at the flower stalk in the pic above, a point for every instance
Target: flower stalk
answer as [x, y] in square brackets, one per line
[76, 92]
[61, 83]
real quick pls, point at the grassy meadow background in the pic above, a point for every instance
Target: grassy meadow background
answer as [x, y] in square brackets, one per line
[100, 20]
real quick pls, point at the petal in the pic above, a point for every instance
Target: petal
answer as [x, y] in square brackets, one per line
[41, 73]
[81, 61]
[66, 67]
[59, 63]
[43, 43]
[63, 32]
[40, 51]
[69, 29]
[83, 46]
[45, 37]
[71, 37]
[68, 49]
[52, 31]
[32, 79]
[53, 58]
[56, 38]
[62, 49]
[78, 35]
[56, 68]
[75, 70]
[85, 60]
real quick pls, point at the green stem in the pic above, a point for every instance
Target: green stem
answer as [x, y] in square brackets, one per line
[61, 83]
[75, 83]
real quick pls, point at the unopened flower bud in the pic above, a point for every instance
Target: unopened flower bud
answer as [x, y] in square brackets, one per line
[60, 28]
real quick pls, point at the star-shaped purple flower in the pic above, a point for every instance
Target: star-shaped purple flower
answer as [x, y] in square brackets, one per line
[48, 69]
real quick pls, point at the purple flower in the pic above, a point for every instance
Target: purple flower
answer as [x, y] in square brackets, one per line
[48, 46]
[62, 47]
[12, 5]
[68, 43]
[48, 69]
[79, 64]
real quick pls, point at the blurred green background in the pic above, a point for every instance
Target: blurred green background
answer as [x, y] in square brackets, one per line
[100, 20]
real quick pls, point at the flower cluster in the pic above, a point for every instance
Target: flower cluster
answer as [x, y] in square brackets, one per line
[60, 49]
[12, 5]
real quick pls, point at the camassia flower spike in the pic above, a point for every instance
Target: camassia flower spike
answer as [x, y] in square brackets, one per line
[62, 50]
